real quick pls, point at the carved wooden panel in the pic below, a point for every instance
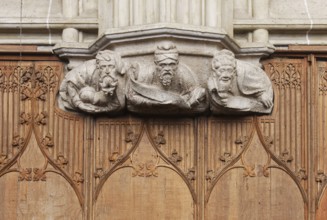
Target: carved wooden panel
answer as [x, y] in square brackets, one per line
[114, 141]
[287, 126]
[252, 188]
[40, 180]
[150, 167]
[321, 168]
[65, 165]
[255, 157]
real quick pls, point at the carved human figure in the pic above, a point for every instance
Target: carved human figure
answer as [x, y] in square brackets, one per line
[95, 86]
[167, 88]
[236, 86]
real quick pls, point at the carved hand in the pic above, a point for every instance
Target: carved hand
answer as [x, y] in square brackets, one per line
[197, 96]
[265, 100]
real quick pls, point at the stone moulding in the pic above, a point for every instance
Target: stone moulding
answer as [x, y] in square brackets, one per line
[154, 32]
[167, 70]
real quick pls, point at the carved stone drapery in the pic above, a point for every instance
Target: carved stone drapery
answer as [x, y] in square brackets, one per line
[236, 86]
[172, 82]
[169, 87]
[95, 86]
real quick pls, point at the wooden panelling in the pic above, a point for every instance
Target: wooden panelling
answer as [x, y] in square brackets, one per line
[57, 164]
[40, 157]
[321, 111]
[145, 186]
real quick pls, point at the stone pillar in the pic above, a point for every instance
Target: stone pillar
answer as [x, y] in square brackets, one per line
[138, 12]
[152, 12]
[195, 12]
[208, 13]
[183, 11]
[105, 15]
[260, 12]
[70, 35]
[90, 6]
[70, 9]
[260, 35]
[211, 11]
[227, 16]
[123, 12]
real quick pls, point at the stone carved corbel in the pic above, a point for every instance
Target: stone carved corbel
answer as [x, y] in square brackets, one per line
[98, 85]
[237, 87]
[169, 87]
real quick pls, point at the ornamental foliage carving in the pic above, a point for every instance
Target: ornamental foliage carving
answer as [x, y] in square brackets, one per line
[322, 71]
[287, 78]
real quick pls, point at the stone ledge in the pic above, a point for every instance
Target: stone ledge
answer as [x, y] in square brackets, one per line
[198, 40]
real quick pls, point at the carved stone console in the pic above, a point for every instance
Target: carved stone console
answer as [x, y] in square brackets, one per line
[168, 87]
[236, 86]
[95, 86]
[165, 70]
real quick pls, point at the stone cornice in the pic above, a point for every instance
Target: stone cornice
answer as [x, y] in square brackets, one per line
[187, 33]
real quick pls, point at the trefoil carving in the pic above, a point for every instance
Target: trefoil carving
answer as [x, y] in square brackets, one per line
[226, 157]
[78, 178]
[242, 141]
[175, 157]
[160, 139]
[99, 172]
[39, 174]
[249, 171]
[25, 174]
[115, 157]
[47, 141]
[301, 174]
[147, 169]
[26, 93]
[285, 157]
[61, 161]
[190, 175]
[131, 137]
[210, 175]
[3, 159]
[25, 118]
[321, 177]
[41, 118]
[17, 141]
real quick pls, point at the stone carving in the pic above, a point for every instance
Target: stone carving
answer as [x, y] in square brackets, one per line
[236, 86]
[169, 87]
[95, 86]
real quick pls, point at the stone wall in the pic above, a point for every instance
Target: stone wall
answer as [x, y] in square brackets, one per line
[50, 22]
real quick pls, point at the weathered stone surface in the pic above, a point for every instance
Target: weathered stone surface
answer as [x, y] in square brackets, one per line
[169, 87]
[95, 86]
[236, 86]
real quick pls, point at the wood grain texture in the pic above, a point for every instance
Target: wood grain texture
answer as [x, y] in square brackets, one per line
[67, 165]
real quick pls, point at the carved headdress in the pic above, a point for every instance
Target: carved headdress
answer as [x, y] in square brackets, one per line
[222, 58]
[164, 51]
[108, 55]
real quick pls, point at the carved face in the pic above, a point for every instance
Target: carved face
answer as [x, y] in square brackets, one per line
[166, 69]
[224, 74]
[108, 85]
[106, 67]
